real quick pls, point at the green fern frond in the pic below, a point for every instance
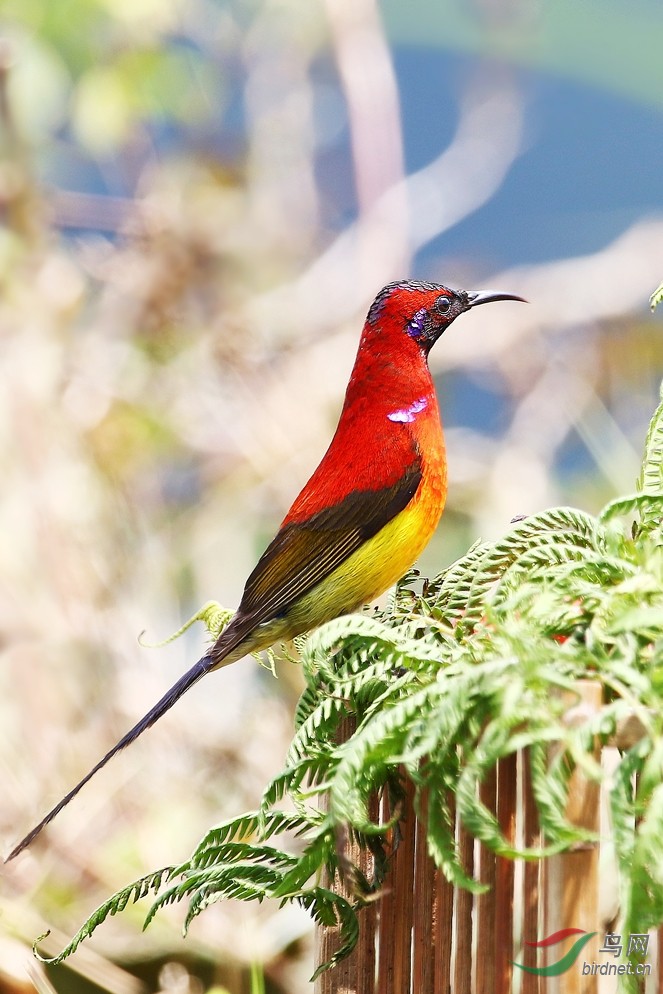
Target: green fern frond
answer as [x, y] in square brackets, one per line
[650, 480]
[448, 594]
[558, 528]
[319, 852]
[214, 616]
[134, 892]
[322, 722]
[288, 783]
[331, 910]
[442, 846]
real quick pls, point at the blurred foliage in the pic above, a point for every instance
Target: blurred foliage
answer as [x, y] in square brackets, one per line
[198, 201]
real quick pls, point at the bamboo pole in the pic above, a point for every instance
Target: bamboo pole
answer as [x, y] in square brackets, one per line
[507, 793]
[356, 973]
[571, 878]
[486, 911]
[423, 941]
[443, 908]
[396, 905]
[462, 921]
[531, 983]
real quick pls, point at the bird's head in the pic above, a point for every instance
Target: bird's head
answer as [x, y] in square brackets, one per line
[422, 311]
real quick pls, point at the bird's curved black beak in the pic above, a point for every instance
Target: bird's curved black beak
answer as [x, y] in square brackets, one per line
[488, 296]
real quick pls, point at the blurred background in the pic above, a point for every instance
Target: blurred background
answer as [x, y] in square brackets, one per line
[199, 200]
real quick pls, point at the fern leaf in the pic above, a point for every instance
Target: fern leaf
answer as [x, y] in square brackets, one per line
[656, 297]
[116, 904]
[647, 503]
[650, 480]
[329, 909]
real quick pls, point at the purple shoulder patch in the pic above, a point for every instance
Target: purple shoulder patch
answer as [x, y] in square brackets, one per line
[407, 414]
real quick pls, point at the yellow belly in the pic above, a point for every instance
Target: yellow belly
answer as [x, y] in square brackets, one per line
[366, 574]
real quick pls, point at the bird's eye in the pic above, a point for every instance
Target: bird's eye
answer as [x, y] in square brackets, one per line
[442, 304]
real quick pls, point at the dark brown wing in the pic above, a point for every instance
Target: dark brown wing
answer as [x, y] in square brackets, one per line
[304, 553]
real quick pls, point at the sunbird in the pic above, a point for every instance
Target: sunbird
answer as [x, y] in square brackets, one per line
[367, 512]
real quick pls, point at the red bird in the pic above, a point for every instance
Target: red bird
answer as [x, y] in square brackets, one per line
[370, 507]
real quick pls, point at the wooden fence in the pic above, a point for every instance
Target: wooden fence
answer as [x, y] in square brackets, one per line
[422, 936]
